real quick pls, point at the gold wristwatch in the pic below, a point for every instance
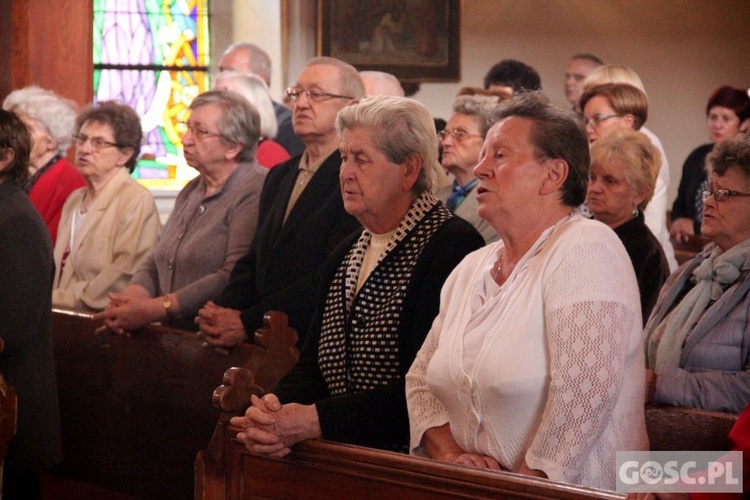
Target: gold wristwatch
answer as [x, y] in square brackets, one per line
[166, 303]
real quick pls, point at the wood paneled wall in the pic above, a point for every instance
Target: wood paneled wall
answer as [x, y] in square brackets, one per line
[49, 44]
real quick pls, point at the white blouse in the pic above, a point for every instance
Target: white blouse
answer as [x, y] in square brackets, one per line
[548, 367]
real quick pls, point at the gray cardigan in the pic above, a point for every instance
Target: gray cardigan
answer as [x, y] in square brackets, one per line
[203, 239]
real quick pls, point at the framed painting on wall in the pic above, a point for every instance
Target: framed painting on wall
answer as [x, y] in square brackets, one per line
[416, 40]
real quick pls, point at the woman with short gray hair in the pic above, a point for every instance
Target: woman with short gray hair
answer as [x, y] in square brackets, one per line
[211, 225]
[270, 153]
[379, 290]
[50, 120]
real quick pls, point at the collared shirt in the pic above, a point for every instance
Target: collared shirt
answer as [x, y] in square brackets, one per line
[306, 172]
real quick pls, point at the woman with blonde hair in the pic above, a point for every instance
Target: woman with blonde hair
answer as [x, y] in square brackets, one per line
[624, 167]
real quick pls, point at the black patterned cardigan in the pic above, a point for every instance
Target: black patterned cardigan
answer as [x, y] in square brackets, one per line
[359, 348]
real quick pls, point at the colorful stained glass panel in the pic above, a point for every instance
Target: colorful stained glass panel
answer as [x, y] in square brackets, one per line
[154, 56]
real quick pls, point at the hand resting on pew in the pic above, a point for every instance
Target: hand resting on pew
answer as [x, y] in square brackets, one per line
[221, 326]
[271, 428]
[132, 309]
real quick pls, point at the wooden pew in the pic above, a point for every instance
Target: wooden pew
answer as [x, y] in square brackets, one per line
[672, 428]
[135, 409]
[322, 469]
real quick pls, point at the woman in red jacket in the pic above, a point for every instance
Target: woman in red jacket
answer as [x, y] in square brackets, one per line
[50, 120]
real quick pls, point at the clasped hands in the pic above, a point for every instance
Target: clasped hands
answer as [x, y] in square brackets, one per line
[271, 429]
[221, 326]
[128, 311]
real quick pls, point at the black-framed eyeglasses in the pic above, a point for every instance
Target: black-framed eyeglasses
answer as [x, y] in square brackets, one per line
[722, 194]
[198, 132]
[97, 143]
[313, 95]
[458, 135]
[598, 118]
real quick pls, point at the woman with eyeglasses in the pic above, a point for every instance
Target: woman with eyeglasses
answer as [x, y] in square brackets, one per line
[656, 212]
[728, 113]
[211, 225]
[698, 336]
[108, 227]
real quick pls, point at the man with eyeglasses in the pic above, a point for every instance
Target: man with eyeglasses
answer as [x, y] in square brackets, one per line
[579, 67]
[302, 217]
[462, 141]
[249, 58]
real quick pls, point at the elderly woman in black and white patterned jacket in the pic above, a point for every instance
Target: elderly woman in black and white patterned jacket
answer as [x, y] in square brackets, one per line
[379, 291]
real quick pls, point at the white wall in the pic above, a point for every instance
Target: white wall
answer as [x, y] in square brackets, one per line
[682, 49]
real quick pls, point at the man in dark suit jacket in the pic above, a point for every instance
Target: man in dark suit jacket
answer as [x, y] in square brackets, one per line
[249, 58]
[302, 217]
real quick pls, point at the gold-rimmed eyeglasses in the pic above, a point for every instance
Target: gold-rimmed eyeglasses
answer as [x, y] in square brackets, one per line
[598, 118]
[97, 143]
[458, 135]
[313, 95]
[722, 194]
[198, 132]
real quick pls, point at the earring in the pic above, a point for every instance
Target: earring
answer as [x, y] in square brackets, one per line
[635, 212]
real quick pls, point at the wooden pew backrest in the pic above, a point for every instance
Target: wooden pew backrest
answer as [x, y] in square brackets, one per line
[673, 429]
[136, 409]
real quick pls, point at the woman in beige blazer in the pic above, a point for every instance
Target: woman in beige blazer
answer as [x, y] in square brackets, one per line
[109, 226]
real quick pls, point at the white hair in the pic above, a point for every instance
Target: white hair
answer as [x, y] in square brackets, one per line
[55, 114]
[254, 89]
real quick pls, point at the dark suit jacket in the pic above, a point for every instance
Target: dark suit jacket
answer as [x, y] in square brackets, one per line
[26, 272]
[278, 273]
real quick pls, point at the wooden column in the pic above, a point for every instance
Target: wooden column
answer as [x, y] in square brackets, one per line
[48, 44]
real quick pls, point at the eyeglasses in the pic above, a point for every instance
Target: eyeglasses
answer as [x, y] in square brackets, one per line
[598, 118]
[575, 76]
[458, 135]
[722, 194]
[97, 143]
[199, 133]
[313, 95]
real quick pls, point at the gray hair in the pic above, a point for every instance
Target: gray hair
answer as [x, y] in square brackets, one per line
[56, 114]
[381, 83]
[240, 121]
[636, 155]
[260, 62]
[481, 107]
[556, 134]
[400, 127]
[350, 84]
[254, 89]
[734, 152]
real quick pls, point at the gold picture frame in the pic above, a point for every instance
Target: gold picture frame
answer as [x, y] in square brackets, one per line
[416, 40]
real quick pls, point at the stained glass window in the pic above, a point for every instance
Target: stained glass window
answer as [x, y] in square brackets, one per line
[154, 56]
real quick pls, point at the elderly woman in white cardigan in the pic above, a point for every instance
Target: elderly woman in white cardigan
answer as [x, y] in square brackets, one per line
[534, 363]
